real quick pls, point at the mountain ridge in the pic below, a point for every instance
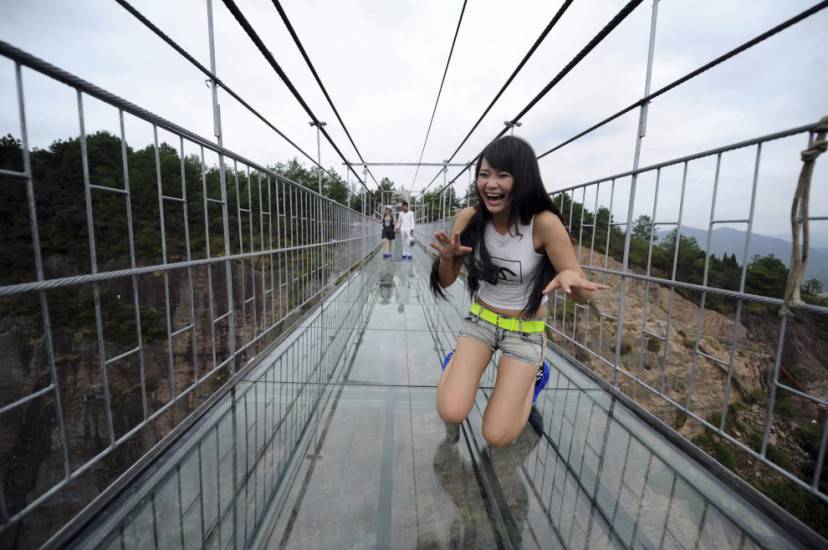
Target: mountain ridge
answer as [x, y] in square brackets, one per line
[726, 240]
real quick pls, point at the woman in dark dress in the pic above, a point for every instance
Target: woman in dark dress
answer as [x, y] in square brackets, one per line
[387, 232]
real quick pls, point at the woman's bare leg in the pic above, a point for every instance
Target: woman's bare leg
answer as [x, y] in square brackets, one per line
[511, 401]
[458, 384]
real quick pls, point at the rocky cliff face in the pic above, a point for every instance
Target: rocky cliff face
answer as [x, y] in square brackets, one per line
[672, 366]
[669, 363]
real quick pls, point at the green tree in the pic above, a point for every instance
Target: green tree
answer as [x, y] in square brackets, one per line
[766, 276]
[725, 273]
[335, 188]
[296, 171]
[356, 202]
[644, 228]
[386, 192]
[436, 205]
[11, 153]
[812, 287]
[690, 260]
[16, 257]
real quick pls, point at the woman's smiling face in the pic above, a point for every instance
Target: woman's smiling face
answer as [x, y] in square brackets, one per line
[494, 187]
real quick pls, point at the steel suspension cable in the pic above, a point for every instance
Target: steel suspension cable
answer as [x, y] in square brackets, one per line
[541, 37]
[422, 193]
[597, 39]
[305, 56]
[439, 92]
[186, 55]
[60, 75]
[689, 76]
[257, 41]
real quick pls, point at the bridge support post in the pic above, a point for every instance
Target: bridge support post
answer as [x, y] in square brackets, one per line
[228, 266]
[642, 130]
[318, 124]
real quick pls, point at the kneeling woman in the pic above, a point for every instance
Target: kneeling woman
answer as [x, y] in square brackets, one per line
[516, 250]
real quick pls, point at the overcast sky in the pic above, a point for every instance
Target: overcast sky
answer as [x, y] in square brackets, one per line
[382, 61]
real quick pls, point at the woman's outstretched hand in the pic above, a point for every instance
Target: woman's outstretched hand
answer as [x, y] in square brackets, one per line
[569, 279]
[449, 248]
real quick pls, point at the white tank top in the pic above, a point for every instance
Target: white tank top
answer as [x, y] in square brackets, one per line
[517, 263]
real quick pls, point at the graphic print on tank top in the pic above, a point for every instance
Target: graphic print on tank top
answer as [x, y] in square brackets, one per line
[509, 272]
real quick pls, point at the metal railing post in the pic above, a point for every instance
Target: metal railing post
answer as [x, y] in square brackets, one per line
[366, 208]
[318, 124]
[228, 267]
[348, 184]
[48, 343]
[443, 199]
[642, 130]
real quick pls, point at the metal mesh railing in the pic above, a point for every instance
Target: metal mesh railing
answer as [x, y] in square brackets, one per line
[689, 331]
[189, 262]
[688, 328]
[218, 487]
[685, 329]
[602, 476]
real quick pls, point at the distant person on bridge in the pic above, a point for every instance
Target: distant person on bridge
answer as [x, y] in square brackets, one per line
[516, 250]
[387, 232]
[405, 223]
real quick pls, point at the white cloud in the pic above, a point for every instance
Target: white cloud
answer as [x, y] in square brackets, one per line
[382, 62]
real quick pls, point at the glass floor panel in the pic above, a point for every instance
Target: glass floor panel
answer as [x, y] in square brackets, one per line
[344, 449]
[386, 472]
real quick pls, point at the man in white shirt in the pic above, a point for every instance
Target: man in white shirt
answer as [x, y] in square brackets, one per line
[405, 225]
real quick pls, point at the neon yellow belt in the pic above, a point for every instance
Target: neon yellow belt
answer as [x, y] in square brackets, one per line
[508, 323]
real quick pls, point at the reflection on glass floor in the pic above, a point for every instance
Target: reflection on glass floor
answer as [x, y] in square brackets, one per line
[340, 446]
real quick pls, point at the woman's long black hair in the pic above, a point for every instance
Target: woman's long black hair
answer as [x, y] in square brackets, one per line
[528, 197]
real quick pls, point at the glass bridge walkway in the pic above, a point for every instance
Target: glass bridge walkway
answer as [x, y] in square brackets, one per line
[345, 450]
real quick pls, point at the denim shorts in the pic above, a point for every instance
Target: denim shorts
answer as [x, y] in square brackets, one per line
[528, 347]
